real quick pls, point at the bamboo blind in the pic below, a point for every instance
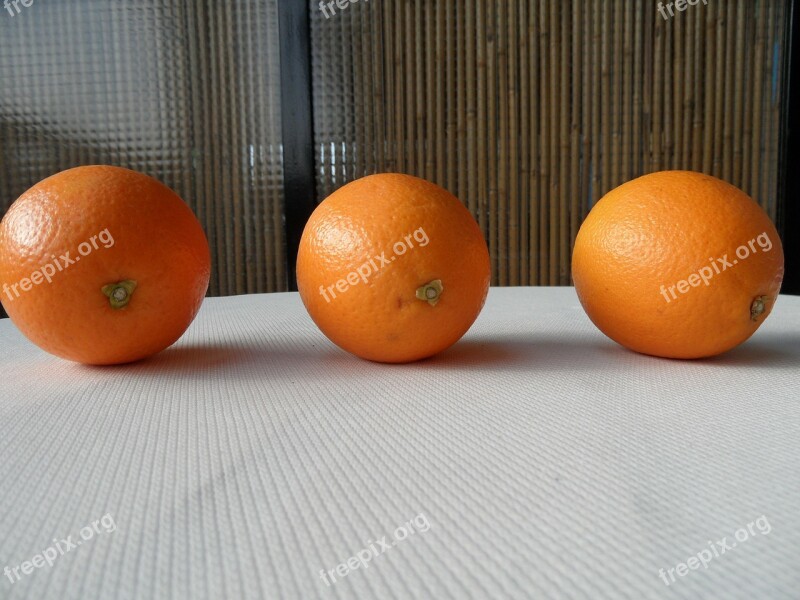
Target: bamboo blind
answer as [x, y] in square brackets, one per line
[185, 91]
[529, 111]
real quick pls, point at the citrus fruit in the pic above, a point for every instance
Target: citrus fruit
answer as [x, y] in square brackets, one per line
[102, 265]
[677, 264]
[393, 268]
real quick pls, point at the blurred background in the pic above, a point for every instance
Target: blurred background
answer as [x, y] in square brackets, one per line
[529, 111]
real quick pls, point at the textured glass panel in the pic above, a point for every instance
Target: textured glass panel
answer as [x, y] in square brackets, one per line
[185, 91]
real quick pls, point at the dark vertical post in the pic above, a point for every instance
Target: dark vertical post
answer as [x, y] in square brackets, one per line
[299, 181]
[789, 191]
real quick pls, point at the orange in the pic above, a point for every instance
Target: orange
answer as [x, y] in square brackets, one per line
[393, 268]
[677, 264]
[102, 265]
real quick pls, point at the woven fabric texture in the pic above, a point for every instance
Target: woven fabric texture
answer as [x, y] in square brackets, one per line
[547, 461]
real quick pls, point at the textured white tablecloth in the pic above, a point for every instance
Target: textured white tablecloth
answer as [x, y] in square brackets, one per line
[548, 461]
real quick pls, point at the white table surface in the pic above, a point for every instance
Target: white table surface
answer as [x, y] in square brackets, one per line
[548, 461]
